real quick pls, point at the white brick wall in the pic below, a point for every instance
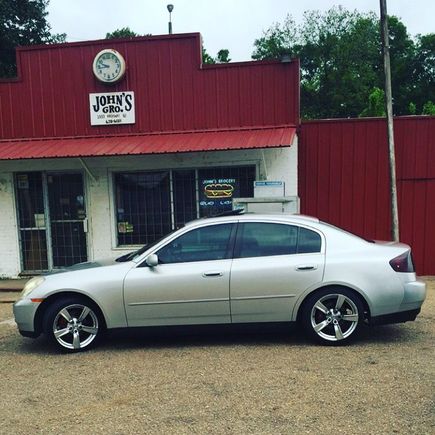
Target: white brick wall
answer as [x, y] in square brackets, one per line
[9, 251]
[278, 163]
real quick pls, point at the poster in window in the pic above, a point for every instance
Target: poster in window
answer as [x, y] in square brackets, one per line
[216, 195]
[23, 181]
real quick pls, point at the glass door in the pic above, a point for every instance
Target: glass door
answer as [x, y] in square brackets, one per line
[68, 223]
[32, 221]
[52, 220]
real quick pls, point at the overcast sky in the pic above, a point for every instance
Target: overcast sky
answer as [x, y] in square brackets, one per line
[232, 24]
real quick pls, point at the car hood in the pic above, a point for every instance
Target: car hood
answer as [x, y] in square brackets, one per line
[86, 265]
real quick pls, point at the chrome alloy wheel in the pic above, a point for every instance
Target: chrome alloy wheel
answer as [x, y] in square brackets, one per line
[75, 326]
[334, 317]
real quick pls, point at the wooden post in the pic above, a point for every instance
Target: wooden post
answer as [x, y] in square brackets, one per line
[389, 109]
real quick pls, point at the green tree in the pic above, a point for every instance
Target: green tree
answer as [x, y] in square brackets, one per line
[429, 108]
[206, 58]
[376, 105]
[412, 108]
[125, 32]
[22, 23]
[223, 56]
[341, 61]
[277, 41]
[423, 83]
[402, 54]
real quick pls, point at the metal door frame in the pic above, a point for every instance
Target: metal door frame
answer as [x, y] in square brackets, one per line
[47, 217]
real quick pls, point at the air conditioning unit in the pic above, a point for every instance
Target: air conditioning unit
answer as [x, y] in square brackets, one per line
[274, 204]
[269, 197]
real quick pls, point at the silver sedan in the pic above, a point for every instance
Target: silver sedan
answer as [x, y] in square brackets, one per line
[234, 269]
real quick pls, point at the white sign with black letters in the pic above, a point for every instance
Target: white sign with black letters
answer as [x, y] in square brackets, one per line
[112, 108]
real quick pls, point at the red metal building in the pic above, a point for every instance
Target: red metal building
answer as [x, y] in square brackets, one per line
[344, 179]
[91, 166]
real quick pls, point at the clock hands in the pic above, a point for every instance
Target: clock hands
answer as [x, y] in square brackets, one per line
[103, 65]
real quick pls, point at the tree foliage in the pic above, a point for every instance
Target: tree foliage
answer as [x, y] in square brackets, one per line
[429, 108]
[125, 32]
[341, 62]
[223, 56]
[22, 23]
[376, 104]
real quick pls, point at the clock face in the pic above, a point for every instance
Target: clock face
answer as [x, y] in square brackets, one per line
[109, 66]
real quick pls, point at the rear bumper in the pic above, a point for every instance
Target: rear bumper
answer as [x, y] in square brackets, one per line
[403, 316]
[413, 297]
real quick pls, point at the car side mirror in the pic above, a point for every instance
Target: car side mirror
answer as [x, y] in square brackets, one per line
[152, 260]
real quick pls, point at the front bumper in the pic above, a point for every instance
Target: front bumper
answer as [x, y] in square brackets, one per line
[24, 313]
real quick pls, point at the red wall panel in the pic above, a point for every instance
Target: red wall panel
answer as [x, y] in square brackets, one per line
[173, 90]
[343, 179]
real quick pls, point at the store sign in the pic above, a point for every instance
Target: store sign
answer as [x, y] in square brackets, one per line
[112, 108]
[216, 195]
[268, 189]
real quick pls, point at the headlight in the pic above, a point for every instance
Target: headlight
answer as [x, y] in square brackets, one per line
[31, 285]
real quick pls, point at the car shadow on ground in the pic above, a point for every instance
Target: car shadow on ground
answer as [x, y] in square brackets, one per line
[263, 335]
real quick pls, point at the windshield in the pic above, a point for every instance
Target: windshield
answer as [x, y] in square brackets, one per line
[134, 254]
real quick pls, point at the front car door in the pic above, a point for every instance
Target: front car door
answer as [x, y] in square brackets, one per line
[273, 263]
[190, 285]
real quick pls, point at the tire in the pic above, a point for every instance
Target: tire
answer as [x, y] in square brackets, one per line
[333, 316]
[73, 324]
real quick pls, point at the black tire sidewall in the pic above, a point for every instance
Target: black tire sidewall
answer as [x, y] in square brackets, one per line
[53, 310]
[312, 300]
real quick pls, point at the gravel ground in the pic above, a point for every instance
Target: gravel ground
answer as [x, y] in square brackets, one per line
[223, 383]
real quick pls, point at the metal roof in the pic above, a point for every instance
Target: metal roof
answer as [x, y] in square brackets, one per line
[155, 143]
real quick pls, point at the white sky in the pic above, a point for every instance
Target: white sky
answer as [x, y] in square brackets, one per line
[232, 24]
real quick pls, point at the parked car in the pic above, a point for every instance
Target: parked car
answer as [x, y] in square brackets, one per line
[233, 269]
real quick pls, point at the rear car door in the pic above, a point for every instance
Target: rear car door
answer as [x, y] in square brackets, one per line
[273, 264]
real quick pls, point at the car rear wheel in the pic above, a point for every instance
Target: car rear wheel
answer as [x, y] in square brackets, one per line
[333, 316]
[73, 324]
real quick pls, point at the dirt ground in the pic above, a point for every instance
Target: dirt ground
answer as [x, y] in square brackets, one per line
[220, 382]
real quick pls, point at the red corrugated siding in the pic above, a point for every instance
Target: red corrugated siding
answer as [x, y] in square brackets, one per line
[343, 179]
[173, 91]
[147, 144]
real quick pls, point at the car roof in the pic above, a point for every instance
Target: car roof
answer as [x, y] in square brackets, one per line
[256, 216]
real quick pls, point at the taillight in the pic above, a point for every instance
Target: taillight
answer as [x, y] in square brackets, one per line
[403, 263]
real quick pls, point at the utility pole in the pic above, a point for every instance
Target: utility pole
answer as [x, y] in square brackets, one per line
[389, 107]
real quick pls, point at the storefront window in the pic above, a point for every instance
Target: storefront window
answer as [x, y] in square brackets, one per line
[217, 187]
[143, 207]
[151, 204]
[184, 188]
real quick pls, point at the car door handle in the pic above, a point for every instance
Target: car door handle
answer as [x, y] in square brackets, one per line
[303, 267]
[212, 273]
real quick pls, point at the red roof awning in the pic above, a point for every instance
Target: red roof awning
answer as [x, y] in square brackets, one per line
[155, 143]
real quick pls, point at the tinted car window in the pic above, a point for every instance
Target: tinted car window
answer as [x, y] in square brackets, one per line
[264, 239]
[202, 244]
[308, 241]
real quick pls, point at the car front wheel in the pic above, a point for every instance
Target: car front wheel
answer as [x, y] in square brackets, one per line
[333, 316]
[72, 324]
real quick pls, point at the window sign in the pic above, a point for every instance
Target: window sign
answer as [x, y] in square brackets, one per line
[216, 194]
[112, 108]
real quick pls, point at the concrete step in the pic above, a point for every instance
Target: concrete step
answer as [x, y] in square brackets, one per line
[9, 297]
[12, 285]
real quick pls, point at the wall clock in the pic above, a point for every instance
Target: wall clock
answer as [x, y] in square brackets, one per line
[109, 66]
